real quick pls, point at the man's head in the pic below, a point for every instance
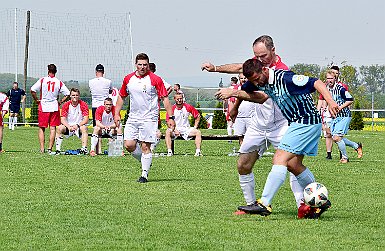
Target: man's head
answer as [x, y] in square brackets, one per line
[264, 50]
[142, 62]
[234, 80]
[99, 69]
[331, 78]
[152, 67]
[108, 104]
[336, 70]
[242, 78]
[255, 72]
[176, 87]
[15, 85]
[52, 69]
[74, 95]
[178, 97]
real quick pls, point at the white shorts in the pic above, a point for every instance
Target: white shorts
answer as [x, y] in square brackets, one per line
[141, 131]
[184, 132]
[258, 140]
[240, 126]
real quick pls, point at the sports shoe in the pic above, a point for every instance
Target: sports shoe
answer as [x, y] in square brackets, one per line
[142, 179]
[257, 208]
[2, 151]
[49, 151]
[83, 151]
[57, 152]
[317, 211]
[359, 151]
[169, 154]
[328, 157]
[92, 153]
[303, 210]
[197, 154]
[344, 160]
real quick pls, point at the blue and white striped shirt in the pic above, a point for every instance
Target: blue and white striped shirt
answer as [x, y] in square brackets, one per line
[292, 93]
[341, 95]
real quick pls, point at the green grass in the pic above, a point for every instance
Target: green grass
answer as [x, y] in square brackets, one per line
[79, 202]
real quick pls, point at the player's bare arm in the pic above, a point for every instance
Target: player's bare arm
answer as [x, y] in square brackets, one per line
[256, 97]
[168, 107]
[64, 99]
[118, 108]
[34, 96]
[226, 68]
[332, 105]
[346, 104]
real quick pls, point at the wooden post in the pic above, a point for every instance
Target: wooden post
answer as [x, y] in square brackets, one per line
[27, 27]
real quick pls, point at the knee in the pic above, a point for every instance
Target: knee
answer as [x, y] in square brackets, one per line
[244, 167]
[129, 147]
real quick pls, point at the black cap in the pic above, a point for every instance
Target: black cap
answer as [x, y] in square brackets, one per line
[99, 67]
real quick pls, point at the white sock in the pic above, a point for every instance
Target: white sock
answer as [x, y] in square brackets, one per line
[14, 122]
[94, 141]
[274, 181]
[137, 153]
[10, 122]
[169, 151]
[59, 140]
[197, 150]
[229, 130]
[297, 189]
[146, 164]
[247, 183]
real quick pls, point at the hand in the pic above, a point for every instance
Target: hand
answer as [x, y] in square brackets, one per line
[333, 109]
[208, 67]
[225, 93]
[171, 123]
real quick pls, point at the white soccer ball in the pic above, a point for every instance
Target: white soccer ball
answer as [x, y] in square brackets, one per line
[315, 194]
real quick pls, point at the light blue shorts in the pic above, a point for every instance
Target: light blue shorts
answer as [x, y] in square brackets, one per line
[301, 139]
[340, 126]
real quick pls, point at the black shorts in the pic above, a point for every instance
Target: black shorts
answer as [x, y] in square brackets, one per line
[14, 108]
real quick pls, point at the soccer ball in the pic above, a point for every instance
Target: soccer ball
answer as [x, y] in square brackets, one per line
[315, 194]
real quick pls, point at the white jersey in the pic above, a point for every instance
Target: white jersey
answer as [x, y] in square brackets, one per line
[268, 116]
[100, 89]
[247, 108]
[182, 114]
[144, 94]
[114, 95]
[74, 114]
[107, 119]
[50, 88]
[4, 102]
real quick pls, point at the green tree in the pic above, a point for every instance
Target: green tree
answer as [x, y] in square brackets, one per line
[357, 122]
[373, 77]
[202, 122]
[311, 70]
[219, 120]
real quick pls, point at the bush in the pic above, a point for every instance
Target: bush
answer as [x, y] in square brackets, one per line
[357, 122]
[202, 122]
[219, 120]
[34, 113]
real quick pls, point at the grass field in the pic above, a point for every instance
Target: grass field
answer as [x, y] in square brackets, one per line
[83, 203]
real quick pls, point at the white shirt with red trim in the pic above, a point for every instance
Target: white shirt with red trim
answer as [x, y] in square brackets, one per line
[49, 88]
[182, 114]
[114, 95]
[247, 108]
[100, 89]
[4, 102]
[74, 114]
[107, 119]
[144, 94]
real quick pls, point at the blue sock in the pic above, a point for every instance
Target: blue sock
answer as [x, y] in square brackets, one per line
[341, 145]
[350, 143]
[274, 181]
[305, 178]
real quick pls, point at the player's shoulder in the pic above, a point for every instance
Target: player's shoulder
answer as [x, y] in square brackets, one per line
[128, 77]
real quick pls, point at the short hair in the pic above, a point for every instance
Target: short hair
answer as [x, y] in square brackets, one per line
[266, 40]
[335, 67]
[152, 67]
[52, 68]
[141, 56]
[16, 83]
[252, 66]
[108, 99]
[75, 90]
[331, 72]
[178, 94]
[177, 85]
[234, 79]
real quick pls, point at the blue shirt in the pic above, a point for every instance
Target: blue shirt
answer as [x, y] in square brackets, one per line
[292, 93]
[15, 95]
[341, 95]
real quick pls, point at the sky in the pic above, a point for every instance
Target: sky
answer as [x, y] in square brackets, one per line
[180, 35]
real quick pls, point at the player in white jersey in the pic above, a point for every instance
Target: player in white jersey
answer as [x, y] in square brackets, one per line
[145, 89]
[4, 105]
[100, 88]
[246, 111]
[105, 124]
[74, 119]
[49, 115]
[182, 129]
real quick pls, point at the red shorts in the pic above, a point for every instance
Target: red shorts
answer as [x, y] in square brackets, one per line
[1, 119]
[49, 118]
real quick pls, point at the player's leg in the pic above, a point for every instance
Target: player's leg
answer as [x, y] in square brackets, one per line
[147, 134]
[131, 135]
[43, 120]
[95, 139]
[168, 139]
[60, 130]
[157, 140]
[198, 140]
[328, 142]
[41, 138]
[14, 122]
[338, 131]
[10, 120]
[1, 133]
[84, 138]
[54, 121]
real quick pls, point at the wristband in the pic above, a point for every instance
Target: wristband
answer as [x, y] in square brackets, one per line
[172, 117]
